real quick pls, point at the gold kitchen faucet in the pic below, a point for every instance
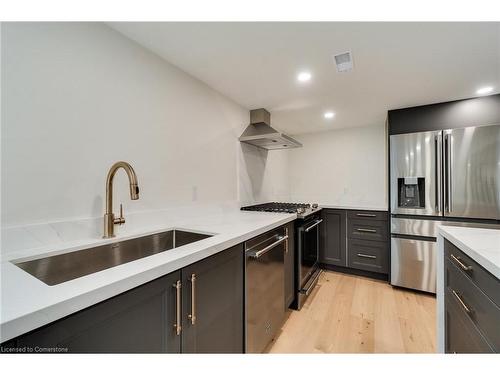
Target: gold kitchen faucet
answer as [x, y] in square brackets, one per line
[109, 216]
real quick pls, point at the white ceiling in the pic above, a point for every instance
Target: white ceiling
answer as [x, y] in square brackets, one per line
[395, 65]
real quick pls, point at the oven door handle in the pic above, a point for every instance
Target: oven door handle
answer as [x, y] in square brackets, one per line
[258, 254]
[312, 284]
[318, 222]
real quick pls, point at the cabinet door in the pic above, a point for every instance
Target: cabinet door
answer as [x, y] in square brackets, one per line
[333, 238]
[138, 321]
[212, 300]
[461, 335]
[290, 266]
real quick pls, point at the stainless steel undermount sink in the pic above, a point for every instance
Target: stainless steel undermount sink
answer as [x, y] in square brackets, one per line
[57, 269]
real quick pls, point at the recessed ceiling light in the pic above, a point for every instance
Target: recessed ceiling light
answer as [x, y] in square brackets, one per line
[329, 115]
[304, 77]
[484, 90]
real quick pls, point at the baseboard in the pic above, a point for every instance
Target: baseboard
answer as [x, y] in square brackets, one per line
[353, 271]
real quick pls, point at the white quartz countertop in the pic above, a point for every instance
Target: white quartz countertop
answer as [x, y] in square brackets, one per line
[347, 207]
[481, 244]
[28, 303]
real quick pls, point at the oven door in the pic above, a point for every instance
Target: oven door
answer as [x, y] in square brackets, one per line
[308, 250]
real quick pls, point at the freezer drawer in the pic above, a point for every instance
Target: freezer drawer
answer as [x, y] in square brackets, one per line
[415, 227]
[413, 264]
[472, 172]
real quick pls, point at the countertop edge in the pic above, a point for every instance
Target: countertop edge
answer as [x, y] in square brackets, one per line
[486, 263]
[353, 208]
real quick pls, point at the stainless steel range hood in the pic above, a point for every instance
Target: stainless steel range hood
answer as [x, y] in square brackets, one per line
[260, 133]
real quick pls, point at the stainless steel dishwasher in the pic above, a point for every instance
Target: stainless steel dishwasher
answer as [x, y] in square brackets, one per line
[265, 287]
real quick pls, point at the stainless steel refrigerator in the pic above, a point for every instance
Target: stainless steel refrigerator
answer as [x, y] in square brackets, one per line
[438, 176]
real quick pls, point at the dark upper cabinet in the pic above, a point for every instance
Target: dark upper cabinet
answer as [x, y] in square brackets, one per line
[213, 293]
[448, 115]
[333, 237]
[138, 321]
[290, 266]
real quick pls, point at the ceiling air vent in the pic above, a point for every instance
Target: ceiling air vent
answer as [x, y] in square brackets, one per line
[343, 62]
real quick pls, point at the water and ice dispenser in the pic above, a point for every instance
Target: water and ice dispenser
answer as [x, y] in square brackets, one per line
[411, 192]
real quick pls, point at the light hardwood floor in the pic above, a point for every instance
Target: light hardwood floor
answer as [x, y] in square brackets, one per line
[352, 314]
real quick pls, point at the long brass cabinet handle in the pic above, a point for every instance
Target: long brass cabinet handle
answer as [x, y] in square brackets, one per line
[366, 230]
[178, 317]
[192, 316]
[462, 265]
[461, 301]
[366, 256]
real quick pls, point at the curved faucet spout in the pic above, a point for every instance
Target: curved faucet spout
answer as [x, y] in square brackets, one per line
[109, 217]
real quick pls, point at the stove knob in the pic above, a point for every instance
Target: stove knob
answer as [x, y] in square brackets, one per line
[314, 206]
[301, 210]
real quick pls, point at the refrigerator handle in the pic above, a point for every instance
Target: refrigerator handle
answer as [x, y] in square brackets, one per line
[448, 171]
[437, 172]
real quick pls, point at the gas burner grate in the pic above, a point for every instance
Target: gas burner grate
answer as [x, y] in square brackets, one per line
[278, 207]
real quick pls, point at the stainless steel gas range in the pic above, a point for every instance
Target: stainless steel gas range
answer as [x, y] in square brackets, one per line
[307, 234]
[302, 210]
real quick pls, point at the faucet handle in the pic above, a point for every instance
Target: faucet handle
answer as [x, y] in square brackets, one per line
[120, 220]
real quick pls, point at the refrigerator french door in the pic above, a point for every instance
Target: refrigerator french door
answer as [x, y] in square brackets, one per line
[436, 176]
[472, 172]
[453, 173]
[416, 173]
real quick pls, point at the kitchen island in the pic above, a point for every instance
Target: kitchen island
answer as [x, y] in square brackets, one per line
[468, 290]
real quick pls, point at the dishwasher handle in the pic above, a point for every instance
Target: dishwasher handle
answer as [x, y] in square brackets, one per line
[259, 253]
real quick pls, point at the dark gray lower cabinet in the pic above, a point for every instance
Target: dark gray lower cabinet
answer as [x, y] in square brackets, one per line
[355, 240]
[290, 266]
[472, 313]
[213, 294]
[138, 321]
[367, 242]
[368, 255]
[143, 320]
[333, 238]
[461, 334]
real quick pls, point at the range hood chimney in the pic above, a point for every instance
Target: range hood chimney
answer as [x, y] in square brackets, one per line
[260, 133]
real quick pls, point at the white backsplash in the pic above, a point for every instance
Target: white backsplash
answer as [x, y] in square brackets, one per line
[21, 241]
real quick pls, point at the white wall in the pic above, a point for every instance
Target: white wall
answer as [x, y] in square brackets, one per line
[78, 97]
[264, 175]
[341, 167]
